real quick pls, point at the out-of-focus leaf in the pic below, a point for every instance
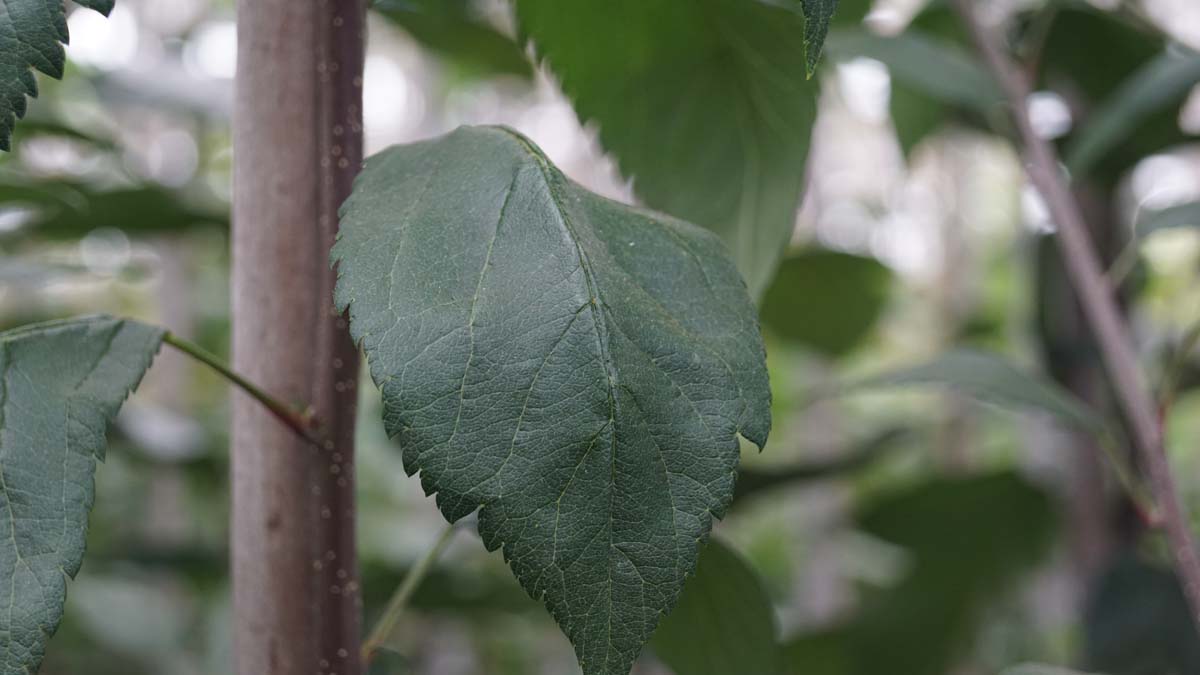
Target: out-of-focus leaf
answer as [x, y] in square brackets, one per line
[1040, 669]
[968, 539]
[916, 111]
[60, 384]
[19, 273]
[753, 481]
[605, 360]
[993, 379]
[41, 127]
[1087, 55]
[32, 34]
[931, 66]
[64, 210]
[826, 300]
[451, 29]
[1162, 83]
[914, 115]
[724, 622]
[704, 104]
[1137, 622]
[1172, 217]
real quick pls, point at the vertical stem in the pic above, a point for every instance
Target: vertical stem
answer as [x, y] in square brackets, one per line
[1099, 305]
[297, 142]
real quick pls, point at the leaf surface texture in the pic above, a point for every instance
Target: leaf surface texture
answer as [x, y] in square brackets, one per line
[578, 368]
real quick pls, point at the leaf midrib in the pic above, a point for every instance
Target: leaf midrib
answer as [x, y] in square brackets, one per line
[601, 326]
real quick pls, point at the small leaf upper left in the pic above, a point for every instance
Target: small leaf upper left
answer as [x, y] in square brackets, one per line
[32, 33]
[60, 384]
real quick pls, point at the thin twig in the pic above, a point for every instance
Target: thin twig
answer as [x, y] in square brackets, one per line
[1099, 304]
[302, 423]
[399, 600]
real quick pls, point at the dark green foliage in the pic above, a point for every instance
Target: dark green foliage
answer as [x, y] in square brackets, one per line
[576, 369]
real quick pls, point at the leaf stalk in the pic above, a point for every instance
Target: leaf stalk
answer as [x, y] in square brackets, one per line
[399, 600]
[301, 422]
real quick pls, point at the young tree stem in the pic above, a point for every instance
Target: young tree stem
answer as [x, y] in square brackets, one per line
[1098, 300]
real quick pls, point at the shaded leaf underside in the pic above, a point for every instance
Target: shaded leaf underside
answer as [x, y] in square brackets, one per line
[60, 384]
[578, 368]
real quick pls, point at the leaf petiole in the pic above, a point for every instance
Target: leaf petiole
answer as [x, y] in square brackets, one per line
[399, 600]
[303, 423]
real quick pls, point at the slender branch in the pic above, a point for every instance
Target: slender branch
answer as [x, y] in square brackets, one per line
[1099, 304]
[304, 424]
[399, 600]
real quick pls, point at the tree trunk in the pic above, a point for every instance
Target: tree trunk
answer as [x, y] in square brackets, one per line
[297, 145]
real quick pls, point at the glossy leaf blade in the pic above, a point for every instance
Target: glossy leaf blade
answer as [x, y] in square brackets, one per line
[32, 33]
[704, 103]
[724, 622]
[578, 368]
[60, 384]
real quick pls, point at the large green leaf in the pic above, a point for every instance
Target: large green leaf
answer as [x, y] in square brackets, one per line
[993, 379]
[450, 29]
[826, 300]
[60, 384]
[724, 622]
[578, 368]
[32, 33]
[704, 103]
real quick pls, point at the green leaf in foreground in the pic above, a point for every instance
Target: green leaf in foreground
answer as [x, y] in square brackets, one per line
[32, 33]
[817, 15]
[724, 622]
[704, 104]
[578, 368]
[60, 384]
[825, 300]
[992, 379]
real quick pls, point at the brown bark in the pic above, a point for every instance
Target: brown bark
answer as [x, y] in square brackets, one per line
[297, 144]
